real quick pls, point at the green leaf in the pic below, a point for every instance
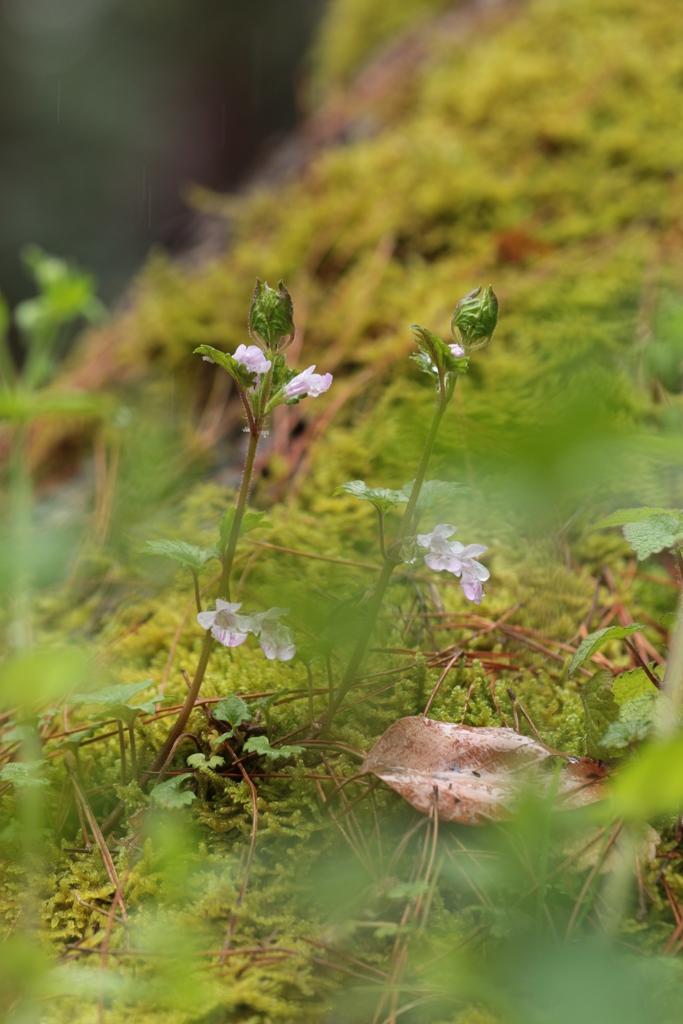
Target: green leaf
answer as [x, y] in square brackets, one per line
[594, 641]
[261, 745]
[239, 373]
[634, 684]
[434, 491]
[654, 534]
[636, 717]
[111, 695]
[115, 701]
[200, 761]
[250, 521]
[73, 741]
[435, 356]
[381, 497]
[628, 515]
[271, 316]
[668, 619]
[600, 710]
[169, 795]
[623, 516]
[22, 774]
[190, 555]
[232, 710]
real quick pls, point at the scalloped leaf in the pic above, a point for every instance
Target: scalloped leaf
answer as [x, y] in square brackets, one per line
[261, 745]
[232, 710]
[239, 373]
[203, 763]
[22, 774]
[629, 515]
[594, 641]
[169, 796]
[656, 533]
[189, 555]
[120, 693]
[115, 701]
[383, 498]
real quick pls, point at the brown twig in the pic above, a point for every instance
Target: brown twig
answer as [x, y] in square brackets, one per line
[449, 666]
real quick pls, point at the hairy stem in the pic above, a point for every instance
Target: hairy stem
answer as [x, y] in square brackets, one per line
[185, 712]
[224, 582]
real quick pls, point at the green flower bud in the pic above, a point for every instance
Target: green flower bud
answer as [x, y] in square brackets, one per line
[271, 317]
[475, 318]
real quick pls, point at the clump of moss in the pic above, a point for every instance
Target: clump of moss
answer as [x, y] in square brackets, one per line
[352, 30]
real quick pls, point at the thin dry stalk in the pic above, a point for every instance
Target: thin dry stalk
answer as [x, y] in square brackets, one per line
[456, 657]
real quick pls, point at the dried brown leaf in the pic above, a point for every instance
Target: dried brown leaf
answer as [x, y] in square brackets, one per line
[475, 774]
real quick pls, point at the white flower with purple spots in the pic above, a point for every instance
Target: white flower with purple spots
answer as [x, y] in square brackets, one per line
[226, 626]
[276, 640]
[253, 360]
[308, 383]
[460, 559]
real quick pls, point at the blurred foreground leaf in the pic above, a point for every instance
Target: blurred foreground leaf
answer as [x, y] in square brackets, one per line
[43, 675]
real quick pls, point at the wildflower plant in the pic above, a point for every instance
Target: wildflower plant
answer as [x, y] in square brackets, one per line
[264, 381]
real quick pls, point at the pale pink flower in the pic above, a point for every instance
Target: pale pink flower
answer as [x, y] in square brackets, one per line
[308, 383]
[253, 359]
[229, 629]
[457, 351]
[460, 559]
[276, 640]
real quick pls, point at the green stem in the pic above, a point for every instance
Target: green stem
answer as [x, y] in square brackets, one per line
[240, 508]
[255, 428]
[388, 567]
[185, 712]
[223, 589]
[404, 529]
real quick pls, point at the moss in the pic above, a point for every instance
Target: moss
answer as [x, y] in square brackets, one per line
[352, 30]
[545, 157]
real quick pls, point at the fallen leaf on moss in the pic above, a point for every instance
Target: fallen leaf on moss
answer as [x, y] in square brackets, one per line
[475, 774]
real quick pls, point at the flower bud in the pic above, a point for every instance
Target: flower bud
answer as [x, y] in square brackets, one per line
[475, 318]
[271, 317]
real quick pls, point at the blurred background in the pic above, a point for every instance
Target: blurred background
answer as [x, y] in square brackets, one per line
[111, 109]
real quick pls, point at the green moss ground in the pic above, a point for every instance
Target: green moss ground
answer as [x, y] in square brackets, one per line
[542, 153]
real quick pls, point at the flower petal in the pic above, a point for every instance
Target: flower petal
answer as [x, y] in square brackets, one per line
[472, 589]
[228, 637]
